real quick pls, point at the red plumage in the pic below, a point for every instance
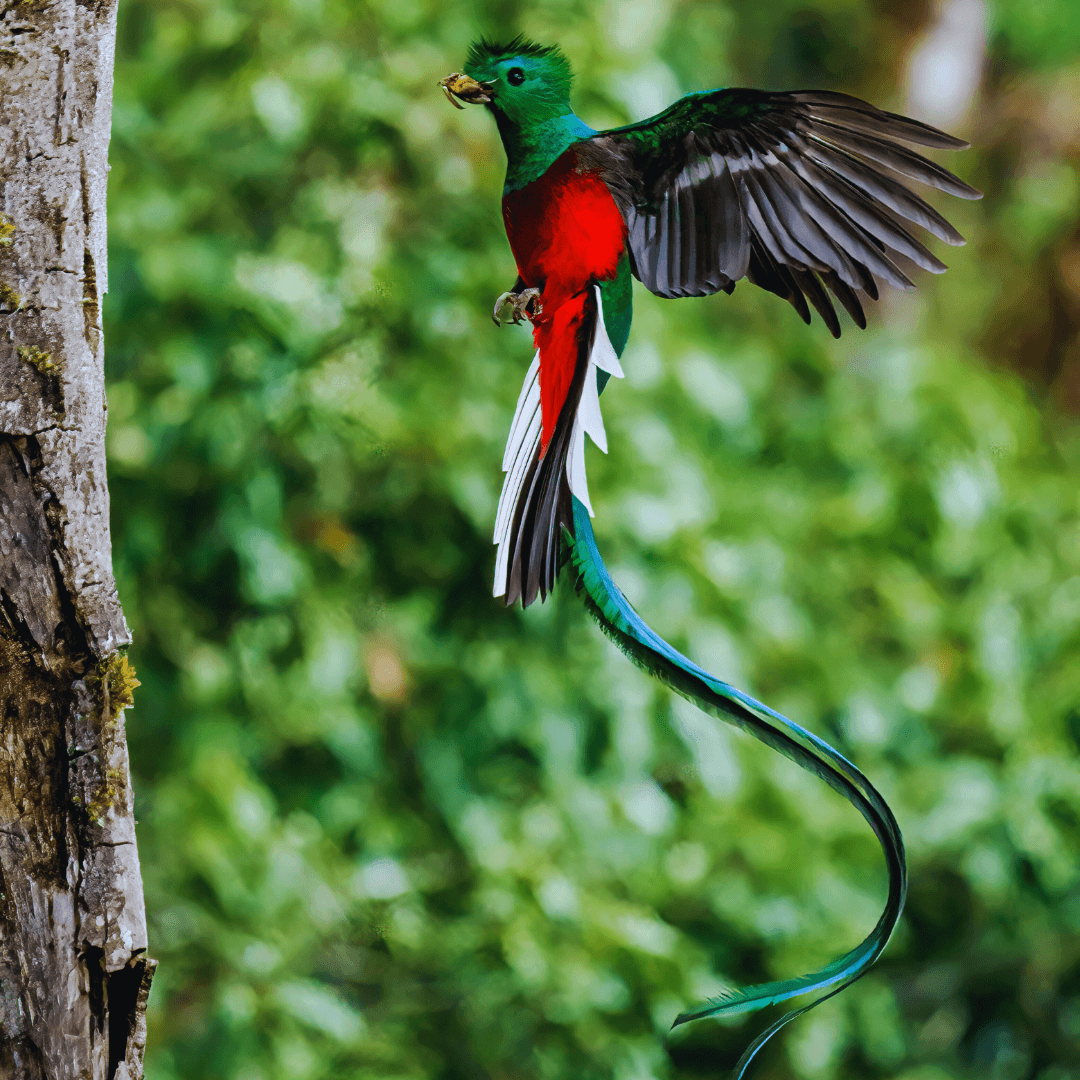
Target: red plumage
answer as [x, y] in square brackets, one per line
[566, 232]
[557, 336]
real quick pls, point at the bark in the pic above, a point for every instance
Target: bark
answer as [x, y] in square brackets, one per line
[74, 974]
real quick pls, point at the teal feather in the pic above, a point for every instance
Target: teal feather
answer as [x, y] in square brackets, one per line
[797, 192]
[620, 622]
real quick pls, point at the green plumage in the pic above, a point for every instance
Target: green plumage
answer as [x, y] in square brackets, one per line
[621, 623]
[797, 192]
[701, 109]
[534, 117]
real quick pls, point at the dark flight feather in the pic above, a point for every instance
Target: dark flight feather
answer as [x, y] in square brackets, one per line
[798, 192]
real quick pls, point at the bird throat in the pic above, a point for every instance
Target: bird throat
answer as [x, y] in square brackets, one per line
[531, 147]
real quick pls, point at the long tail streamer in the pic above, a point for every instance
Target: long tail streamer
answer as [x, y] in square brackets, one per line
[649, 651]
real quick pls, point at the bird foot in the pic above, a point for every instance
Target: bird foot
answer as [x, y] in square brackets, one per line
[524, 305]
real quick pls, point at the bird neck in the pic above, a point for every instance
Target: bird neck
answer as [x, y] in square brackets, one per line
[531, 146]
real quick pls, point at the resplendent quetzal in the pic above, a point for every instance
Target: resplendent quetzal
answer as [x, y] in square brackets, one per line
[797, 192]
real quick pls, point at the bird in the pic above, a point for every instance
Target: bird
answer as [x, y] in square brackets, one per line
[805, 194]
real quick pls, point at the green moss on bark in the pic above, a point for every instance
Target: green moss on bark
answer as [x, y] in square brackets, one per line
[40, 359]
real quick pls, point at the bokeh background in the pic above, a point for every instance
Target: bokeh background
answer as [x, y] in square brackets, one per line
[390, 829]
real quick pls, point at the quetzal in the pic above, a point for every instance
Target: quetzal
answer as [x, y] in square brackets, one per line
[801, 193]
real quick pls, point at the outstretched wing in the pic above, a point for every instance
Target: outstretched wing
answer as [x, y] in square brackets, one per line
[794, 191]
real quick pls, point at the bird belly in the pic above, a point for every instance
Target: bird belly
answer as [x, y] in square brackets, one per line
[566, 234]
[565, 231]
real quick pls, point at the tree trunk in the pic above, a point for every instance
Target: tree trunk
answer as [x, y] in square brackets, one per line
[74, 974]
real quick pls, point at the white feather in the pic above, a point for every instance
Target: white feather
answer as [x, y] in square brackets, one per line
[521, 447]
[528, 399]
[527, 402]
[523, 442]
[603, 352]
[509, 499]
[589, 420]
[515, 477]
[575, 467]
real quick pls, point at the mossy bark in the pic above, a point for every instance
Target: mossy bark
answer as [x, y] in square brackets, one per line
[74, 974]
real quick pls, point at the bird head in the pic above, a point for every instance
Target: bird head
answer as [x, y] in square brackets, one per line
[524, 82]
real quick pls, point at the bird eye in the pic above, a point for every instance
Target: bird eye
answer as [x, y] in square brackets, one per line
[515, 76]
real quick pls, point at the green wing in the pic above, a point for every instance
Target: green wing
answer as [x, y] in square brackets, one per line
[794, 191]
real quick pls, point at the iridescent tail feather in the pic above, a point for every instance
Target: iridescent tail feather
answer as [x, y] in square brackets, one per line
[544, 501]
[652, 654]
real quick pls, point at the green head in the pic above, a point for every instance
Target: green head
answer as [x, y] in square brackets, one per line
[527, 88]
[528, 83]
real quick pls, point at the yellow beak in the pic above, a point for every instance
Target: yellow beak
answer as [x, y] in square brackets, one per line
[461, 86]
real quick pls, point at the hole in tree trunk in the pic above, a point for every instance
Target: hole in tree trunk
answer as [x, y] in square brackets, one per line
[123, 987]
[94, 959]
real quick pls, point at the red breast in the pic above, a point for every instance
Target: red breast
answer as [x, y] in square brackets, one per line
[565, 231]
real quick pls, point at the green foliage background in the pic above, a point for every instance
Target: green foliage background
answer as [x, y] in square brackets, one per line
[391, 829]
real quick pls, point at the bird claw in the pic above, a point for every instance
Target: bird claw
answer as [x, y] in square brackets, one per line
[525, 305]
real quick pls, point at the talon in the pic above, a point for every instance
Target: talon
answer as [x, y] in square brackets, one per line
[525, 305]
[504, 299]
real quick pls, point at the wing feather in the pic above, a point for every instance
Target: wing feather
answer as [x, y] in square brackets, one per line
[861, 115]
[848, 298]
[840, 195]
[881, 188]
[798, 192]
[827, 219]
[811, 288]
[765, 271]
[892, 156]
[822, 251]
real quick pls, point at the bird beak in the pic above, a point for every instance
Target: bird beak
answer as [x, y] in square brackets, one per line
[461, 86]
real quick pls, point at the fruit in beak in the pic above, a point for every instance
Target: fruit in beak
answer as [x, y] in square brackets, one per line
[457, 86]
